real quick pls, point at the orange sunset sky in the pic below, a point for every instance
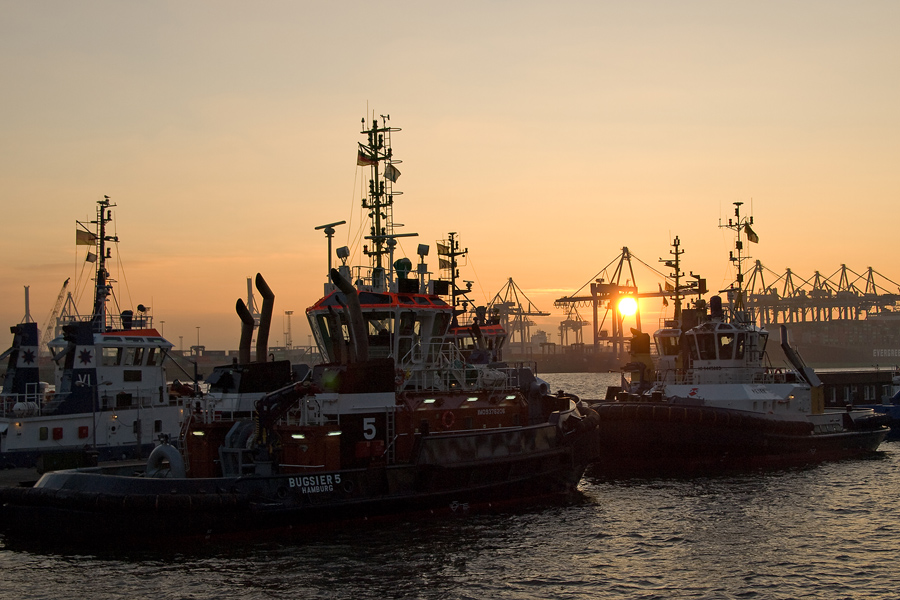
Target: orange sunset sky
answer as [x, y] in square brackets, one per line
[548, 135]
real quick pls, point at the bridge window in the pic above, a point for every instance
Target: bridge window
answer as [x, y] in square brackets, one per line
[129, 356]
[378, 326]
[706, 346]
[726, 346]
[111, 357]
[667, 345]
[739, 346]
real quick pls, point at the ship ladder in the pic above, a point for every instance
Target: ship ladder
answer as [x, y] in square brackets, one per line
[391, 435]
[182, 440]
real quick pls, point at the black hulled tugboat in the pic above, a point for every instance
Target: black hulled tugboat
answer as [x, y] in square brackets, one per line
[403, 418]
[714, 402]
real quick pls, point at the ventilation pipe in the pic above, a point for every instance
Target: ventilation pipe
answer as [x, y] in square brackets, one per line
[247, 324]
[354, 316]
[265, 318]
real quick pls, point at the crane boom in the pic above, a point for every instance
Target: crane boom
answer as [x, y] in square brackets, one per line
[51, 320]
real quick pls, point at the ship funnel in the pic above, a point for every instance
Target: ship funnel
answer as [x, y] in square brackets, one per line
[265, 318]
[247, 324]
[715, 308]
[354, 315]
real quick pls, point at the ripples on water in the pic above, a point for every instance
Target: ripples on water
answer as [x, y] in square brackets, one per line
[829, 531]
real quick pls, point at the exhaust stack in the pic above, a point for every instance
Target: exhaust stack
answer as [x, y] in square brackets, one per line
[265, 318]
[358, 336]
[247, 324]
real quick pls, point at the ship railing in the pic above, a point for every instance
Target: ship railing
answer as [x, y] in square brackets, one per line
[29, 403]
[728, 375]
[114, 321]
[448, 369]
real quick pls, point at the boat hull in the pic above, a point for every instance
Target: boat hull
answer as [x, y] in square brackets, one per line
[640, 438]
[452, 474]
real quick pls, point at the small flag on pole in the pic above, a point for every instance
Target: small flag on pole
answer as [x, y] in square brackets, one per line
[751, 235]
[84, 238]
[363, 158]
[391, 172]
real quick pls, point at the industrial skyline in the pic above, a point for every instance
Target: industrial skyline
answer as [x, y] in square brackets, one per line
[548, 137]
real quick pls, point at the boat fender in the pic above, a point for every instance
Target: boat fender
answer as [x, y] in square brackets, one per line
[162, 454]
[447, 419]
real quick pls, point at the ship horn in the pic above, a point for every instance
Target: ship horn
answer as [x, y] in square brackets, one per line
[265, 318]
[354, 315]
[247, 324]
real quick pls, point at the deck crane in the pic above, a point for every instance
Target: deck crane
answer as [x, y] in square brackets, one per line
[51, 320]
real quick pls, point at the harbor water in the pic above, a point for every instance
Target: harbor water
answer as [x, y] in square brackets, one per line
[828, 531]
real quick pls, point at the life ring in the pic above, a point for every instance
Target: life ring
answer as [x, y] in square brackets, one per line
[447, 419]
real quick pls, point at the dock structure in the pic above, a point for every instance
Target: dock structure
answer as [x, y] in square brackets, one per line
[843, 296]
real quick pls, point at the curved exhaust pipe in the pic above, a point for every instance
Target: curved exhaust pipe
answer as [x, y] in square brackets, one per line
[247, 324]
[265, 318]
[354, 316]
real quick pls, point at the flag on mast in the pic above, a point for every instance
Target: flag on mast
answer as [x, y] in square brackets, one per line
[84, 238]
[363, 158]
[391, 172]
[751, 235]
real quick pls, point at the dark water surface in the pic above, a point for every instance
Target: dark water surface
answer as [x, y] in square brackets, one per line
[830, 531]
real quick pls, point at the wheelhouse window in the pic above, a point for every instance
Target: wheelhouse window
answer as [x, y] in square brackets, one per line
[129, 356]
[726, 346]
[706, 346]
[378, 328]
[111, 357]
[763, 339]
[667, 345]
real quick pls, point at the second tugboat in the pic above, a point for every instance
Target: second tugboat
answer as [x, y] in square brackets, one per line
[400, 420]
[713, 404]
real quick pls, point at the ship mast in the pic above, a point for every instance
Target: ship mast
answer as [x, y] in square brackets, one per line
[738, 225]
[380, 200]
[457, 295]
[675, 265]
[103, 285]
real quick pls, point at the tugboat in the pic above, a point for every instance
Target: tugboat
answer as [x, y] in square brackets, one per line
[110, 399]
[714, 402]
[399, 421]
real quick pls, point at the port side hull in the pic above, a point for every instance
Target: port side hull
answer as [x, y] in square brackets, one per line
[94, 506]
[638, 439]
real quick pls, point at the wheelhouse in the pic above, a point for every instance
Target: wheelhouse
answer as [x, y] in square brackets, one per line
[411, 328]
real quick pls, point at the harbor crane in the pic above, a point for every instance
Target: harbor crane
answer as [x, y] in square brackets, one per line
[50, 325]
[513, 313]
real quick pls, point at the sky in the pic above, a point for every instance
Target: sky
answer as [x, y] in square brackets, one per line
[548, 135]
